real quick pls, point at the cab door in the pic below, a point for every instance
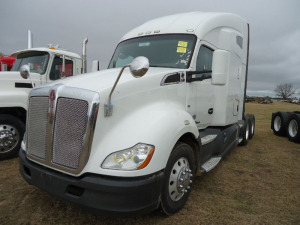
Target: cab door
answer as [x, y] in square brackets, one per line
[56, 71]
[200, 93]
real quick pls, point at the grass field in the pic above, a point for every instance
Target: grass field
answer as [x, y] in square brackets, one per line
[255, 184]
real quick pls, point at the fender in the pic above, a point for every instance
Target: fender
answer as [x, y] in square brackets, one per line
[161, 128]
[14, 89]
[14, 99]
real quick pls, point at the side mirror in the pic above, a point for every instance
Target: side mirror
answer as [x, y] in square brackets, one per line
[139, 66]
[220, 67]
[25, 71]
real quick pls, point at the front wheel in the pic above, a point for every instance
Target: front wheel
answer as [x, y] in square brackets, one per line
[11, 133]
[178, 179]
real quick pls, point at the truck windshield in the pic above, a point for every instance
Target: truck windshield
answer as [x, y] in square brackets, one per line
[37, 61]
[172, 50]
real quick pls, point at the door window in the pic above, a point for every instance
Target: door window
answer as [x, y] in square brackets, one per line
[56, 69]
[204, 62]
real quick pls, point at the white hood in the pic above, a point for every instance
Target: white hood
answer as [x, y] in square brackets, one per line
[104, 79]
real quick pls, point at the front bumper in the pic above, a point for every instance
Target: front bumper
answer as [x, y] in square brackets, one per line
[109, 195]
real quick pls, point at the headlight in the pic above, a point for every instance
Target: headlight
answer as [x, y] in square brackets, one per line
[135, 158]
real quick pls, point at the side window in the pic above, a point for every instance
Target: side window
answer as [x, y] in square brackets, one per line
[56, 69]
[204, 61]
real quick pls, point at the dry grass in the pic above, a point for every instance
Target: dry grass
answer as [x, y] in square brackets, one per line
[256, 184]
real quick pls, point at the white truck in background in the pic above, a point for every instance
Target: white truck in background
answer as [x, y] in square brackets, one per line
[122, 141]
[46, 65]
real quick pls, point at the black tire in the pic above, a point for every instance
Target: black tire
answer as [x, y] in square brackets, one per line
[252, 125]
[293, 127]
[279, 123]
[11, 134]
[245, 131]
[175, 192]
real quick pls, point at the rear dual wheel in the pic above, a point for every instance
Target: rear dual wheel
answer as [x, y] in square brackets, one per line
[279, 123]
[293, 127]
[251, 125]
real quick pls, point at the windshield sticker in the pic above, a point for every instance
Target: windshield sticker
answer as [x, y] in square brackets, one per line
[144, 44]
[182, 44]
[181, 49]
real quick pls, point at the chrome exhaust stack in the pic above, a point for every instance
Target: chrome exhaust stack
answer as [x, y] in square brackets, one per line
[29, 39]
[84, 67]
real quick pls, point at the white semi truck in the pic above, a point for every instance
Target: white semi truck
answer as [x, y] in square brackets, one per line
[132, 138]
[46, 65]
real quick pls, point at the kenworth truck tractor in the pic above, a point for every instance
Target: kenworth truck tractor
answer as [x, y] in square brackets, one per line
[132, 138]
[46, 65]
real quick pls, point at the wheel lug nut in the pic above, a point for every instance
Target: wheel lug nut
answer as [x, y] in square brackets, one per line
[181, 179]
[191, 181]
[190, 171]
[185, 191]
[188, 187]
[183, 173]
[180, 186]
[191, 175]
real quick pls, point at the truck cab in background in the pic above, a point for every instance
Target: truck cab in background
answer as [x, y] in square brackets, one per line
[6, 63]
[46, 65]
[132, 138]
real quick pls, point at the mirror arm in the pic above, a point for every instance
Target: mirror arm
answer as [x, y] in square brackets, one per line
[31, 82]
[108, 107]
[116, 82]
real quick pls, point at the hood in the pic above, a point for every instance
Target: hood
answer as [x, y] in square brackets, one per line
[104, 79]
[15, 76]
[8, 79]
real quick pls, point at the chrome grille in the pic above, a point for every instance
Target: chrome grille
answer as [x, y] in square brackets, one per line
[69, 130]
[60, 128]
[37, 126]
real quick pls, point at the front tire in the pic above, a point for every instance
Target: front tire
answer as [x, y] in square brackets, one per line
[178, 179]
[11, 134]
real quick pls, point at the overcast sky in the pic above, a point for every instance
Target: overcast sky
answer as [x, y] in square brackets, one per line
[274, 30]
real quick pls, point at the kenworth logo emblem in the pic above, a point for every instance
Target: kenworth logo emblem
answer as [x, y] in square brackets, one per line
[52, 98]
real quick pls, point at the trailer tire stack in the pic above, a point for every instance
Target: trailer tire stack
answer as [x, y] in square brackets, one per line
[287, 124]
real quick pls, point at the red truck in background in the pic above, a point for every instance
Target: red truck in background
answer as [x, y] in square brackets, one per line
[6, 62]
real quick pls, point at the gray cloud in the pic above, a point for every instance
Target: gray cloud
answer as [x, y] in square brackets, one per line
[274, 30]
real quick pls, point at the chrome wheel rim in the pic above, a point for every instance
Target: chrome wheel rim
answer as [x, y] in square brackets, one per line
[277, 123]
[247, 131]
[180, 179]
[252, 128]
[9, 138]
[293, 128]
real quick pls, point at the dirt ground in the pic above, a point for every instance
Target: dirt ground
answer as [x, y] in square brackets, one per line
[255, 184]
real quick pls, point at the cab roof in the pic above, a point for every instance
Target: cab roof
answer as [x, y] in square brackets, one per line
[53, 51]
[198, 23]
